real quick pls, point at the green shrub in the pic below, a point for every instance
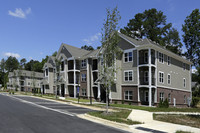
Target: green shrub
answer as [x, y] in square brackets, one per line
[164, 104]
[195, 101]
[130, 103]
[122, 101]
[115, 102]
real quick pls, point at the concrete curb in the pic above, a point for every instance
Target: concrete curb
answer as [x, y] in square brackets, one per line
[120, 126]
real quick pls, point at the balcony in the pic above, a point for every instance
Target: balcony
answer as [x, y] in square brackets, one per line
[144, 57]
[71, 65]
[145, 81]
[95, 64]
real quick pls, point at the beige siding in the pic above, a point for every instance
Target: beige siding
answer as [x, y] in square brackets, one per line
[177, 73]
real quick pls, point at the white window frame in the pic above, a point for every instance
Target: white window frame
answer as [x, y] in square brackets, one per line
[146, 77]
[162, 96]
[161, 77]
[169, 98]
[83, 77]
[169, 60]
[184, 82]
[83, 63]
[128, 95]
[169, 79]
[161, 57]
[84, 92]
[185, 99]
[128, 57]
[127, 71]
[184, 66]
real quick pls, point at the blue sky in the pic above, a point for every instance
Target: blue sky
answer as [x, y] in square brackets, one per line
[32, 29]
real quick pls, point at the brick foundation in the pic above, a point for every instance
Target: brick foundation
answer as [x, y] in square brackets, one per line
[177, 94]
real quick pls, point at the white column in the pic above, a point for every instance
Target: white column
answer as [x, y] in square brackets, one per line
[150, 89]
[88, 81]
[99, 90]
[74, 78]
[155, 96]
[138, 94]
[138, 76]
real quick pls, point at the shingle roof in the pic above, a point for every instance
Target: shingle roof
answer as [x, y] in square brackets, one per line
[76, 52]
[91, 54]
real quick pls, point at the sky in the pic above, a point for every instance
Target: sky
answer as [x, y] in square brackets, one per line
[32, 29]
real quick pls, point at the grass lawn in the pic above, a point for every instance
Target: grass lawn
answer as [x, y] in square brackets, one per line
[188, 120]
[120, 116]
[182, 131]
[80, 100]
[155, 109]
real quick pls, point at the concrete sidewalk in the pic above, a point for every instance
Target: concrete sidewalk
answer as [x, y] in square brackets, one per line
[151, 125]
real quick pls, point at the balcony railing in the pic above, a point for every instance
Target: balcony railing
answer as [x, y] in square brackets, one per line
[145, 81]
[145, 60]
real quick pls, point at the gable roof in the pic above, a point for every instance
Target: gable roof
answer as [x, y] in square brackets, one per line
[71, 51]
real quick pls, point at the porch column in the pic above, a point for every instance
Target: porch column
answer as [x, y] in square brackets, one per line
[99, 90]
[155, 96]
[138, 94]
[150, 89]
[74, 78]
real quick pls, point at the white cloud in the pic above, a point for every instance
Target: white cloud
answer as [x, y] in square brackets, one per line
[8, 54]
[92, 39]
[19, 13]
[194, 70]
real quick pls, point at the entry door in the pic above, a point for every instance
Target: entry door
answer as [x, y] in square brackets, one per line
[63, 90]
[146, 96]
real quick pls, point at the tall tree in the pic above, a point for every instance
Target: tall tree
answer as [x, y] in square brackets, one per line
[3, 73]
[89, 48]
[111, 51]
[22, 63]
[11, 64]
[191, 36]
[152, 24]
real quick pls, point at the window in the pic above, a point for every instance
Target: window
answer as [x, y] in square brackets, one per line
[46, 72]
[83, 63]
[168, 60]
[128, 75]
[161, 96]
[184, 66]
[185, 99]
[169, 97]
[146, 57]
[161, 77]
[83, 77]
[62, 66]
[161, 57]
[169, 79]
[146, 76]
[83, 92]
[128, 57]
[128, 95]
[29, 83]
[101, 59]
[184, 82]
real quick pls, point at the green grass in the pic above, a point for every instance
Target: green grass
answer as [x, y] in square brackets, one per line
[120, 116]
[156, 109]
[179, 131]
[188, 120]
[80, 100]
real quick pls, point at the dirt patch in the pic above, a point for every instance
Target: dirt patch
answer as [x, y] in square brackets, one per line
[188, 120]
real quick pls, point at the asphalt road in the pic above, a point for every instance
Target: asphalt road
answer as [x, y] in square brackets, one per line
[32, 115]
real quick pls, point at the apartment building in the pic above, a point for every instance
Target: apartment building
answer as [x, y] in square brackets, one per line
[24, 80]
[148, 74]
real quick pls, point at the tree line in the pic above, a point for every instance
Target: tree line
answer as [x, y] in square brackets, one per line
[151, 24]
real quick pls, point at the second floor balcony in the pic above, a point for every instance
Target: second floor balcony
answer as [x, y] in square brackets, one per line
[144, 57]
[71, 65]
